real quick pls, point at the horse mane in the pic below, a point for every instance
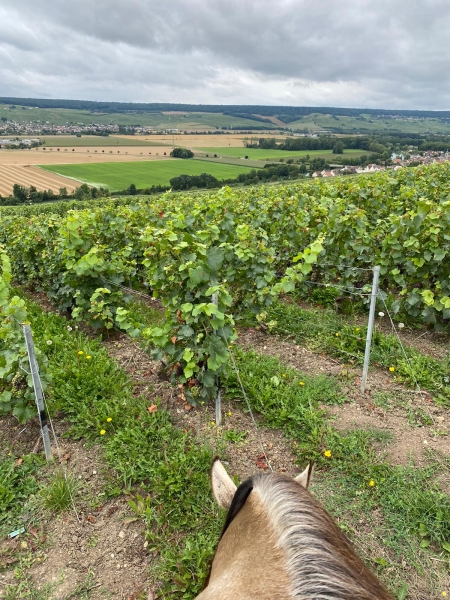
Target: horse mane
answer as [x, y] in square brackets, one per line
[239, 499]
[320, 559]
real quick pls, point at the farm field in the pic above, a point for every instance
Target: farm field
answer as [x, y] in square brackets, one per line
[94, 140]
[260, 154]
[143, 174]
[79, 154]
[189, 140]
[32, 176]
[63, 141]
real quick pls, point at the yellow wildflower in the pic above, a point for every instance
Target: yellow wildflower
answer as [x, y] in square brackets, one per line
[102, 432]
[337, 335]
[371, 483]
[80, 352]
[444, 594]
[108, 420]
[88, 357]
[229, 413]
[391, 369]
[283, 375]
[212, 423]
[301, 383]
[327, 453]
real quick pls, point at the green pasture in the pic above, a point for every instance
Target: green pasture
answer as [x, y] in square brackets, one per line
[118, 176]
[269, 155]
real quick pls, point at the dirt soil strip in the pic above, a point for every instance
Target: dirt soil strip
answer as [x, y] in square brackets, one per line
[409, 442]
[27, 176]
[104, 542]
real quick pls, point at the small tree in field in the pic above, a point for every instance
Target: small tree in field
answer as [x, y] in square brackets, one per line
[338, 148]
[181, 153]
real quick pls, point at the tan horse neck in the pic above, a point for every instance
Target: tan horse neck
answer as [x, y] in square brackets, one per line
[240, 569]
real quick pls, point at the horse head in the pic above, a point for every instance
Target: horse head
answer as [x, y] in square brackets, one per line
[279, 543]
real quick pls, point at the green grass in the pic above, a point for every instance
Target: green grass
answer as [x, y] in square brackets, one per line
[118, 176]
[58, 493]
[339, 335]
[171, 469]
[269, 155]
[141, 448]
[18, 482]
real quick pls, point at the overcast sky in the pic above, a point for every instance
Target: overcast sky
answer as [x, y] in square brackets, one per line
[352, 53]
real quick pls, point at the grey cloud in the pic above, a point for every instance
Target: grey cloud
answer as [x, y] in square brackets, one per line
[348, 53]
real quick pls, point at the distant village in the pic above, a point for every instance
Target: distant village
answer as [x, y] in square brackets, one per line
[398, 161]
[46, 128]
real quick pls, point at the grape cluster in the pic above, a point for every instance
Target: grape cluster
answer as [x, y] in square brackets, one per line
[18, 385]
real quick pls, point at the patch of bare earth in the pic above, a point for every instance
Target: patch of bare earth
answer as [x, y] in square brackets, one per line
[273, 120]
[100, 543]
[246, 456]
[410, 442]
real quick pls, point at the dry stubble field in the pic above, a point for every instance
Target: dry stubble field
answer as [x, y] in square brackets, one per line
[16, 166]
[28, 176]
[12, 162]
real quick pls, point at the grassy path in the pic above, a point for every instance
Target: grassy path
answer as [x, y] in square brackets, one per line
[398, 524]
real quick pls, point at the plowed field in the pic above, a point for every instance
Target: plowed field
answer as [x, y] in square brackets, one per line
[27, 176]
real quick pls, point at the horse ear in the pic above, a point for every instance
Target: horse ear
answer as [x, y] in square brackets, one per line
[305, 477]
[222, 485]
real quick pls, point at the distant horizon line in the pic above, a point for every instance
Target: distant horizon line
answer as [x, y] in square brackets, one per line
[25, 101]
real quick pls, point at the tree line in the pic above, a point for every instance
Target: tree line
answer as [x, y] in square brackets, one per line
[268, 173]
[284, 113]
[30, 195]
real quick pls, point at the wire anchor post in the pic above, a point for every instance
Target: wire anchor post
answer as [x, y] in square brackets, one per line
[38, 392]
[215, 300]
[373, 301]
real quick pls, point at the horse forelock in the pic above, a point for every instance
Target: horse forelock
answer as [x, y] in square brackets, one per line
[239, 499]
[320, 560]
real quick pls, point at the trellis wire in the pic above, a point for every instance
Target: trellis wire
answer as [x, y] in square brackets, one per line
[343, 267]
[337, 287]
[416, 383]
[249, 408]
[218, 415]
[129, 290]
[374, 294]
